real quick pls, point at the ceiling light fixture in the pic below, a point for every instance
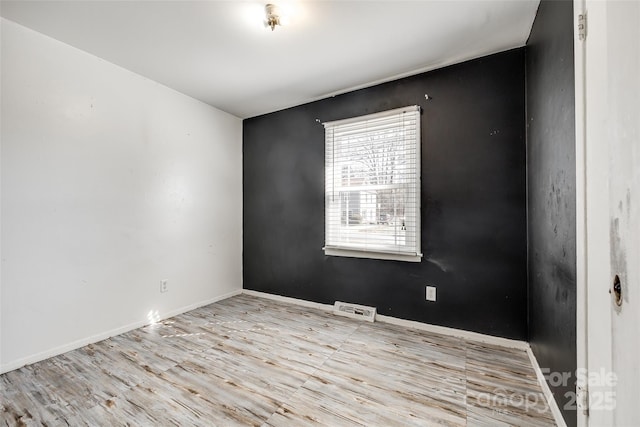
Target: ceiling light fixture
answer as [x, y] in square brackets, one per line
[273, 16]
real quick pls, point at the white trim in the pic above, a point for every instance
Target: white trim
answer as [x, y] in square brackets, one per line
[354, 253]
[343, 140]
[553, 405]
[104, 335]
[579, 49]
[296, 301]
[459, 333]
[471, 336]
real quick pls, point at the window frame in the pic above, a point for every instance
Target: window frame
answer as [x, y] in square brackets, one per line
[379, 251]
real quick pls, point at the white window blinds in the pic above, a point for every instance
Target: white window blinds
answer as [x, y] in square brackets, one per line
[372, 166]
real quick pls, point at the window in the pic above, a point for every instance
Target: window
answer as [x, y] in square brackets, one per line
[372, 186]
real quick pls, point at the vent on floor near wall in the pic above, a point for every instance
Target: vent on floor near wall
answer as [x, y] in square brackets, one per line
[355, 311]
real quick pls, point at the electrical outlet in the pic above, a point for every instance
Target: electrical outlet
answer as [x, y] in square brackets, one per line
[431, 293]
[164, 286]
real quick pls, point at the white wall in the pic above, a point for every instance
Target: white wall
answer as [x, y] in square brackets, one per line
[110, 183]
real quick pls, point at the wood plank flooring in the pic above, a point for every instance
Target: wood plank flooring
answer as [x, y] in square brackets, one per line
[253, 361]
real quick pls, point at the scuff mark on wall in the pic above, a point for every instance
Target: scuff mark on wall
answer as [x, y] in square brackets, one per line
[439, 263]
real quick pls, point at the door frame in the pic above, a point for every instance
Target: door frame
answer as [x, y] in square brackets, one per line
[579, 9]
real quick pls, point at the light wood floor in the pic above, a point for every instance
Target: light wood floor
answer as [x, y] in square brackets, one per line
[252, 361]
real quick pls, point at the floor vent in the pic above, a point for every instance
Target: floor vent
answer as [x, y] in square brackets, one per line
[355, 311]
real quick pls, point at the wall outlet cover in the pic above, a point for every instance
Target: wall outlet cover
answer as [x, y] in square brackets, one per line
[431, 293]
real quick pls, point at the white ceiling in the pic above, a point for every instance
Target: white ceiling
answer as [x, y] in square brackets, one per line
[219, 51]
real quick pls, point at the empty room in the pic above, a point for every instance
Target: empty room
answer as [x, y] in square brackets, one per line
[339, 213]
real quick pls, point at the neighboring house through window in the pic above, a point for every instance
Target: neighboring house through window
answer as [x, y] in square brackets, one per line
[372, 185]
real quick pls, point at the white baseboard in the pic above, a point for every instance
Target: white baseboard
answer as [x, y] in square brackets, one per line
[108, 334]
[296, 301]
[553, 405]
[459, 333]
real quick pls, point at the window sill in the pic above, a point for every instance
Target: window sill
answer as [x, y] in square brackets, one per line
[354, 253]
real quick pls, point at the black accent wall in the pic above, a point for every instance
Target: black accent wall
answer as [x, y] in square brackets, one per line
[473, 201]
[551, 194]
